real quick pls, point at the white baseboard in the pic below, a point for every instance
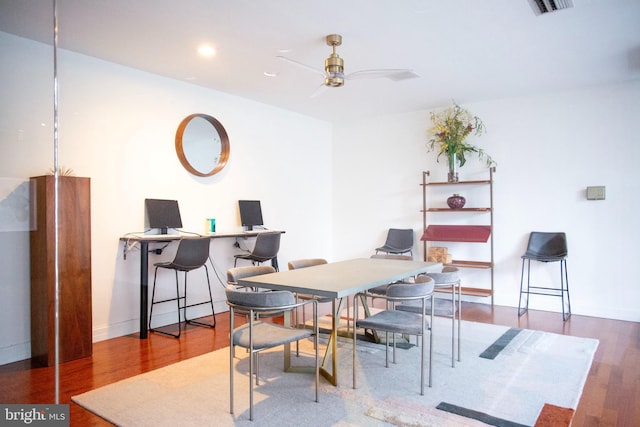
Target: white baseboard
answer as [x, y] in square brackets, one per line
[161, 319]
[22, 351]
[14, 353]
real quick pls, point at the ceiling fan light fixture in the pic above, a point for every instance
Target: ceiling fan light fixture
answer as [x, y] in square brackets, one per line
[334, 80]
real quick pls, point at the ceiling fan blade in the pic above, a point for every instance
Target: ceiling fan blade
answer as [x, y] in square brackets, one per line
[300, 64]
[320, 90]
[391, 74]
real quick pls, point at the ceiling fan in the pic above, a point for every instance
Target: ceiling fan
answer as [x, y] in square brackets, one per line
[333, 73]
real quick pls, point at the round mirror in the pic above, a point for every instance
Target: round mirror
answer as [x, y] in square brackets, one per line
[202, 145]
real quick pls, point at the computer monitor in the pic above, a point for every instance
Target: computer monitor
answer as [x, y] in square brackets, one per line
[250, 213]
[161, 215]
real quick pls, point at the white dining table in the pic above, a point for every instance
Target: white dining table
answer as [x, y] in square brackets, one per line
[338, 280]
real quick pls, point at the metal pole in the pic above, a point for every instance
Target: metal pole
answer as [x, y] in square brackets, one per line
[55, 205]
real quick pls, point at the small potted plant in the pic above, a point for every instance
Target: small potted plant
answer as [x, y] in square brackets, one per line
[447, 134]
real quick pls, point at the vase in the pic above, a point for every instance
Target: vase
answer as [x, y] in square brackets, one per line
[456, 201]
[453, 168]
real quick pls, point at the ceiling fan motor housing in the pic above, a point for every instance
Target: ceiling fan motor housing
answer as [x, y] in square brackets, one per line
[334, 66]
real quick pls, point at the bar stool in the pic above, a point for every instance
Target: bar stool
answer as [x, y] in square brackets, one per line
[192, 253]
[546, 247]
[265, 249]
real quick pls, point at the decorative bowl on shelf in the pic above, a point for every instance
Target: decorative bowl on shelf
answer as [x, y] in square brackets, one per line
[456, 201]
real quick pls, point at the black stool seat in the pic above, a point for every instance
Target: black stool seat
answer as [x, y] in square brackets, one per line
[265, 249]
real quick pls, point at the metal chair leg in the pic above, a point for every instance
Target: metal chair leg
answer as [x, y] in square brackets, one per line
[210, 301]
[459, 323]
[453, 325]
[153, 302]
[522, 310]
[564, 280]
[178, 304]
[153, 298]
[548, 291]
[232, 349]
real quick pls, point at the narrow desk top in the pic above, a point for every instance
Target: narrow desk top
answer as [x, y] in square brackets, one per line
[136, 237]
[343, 278]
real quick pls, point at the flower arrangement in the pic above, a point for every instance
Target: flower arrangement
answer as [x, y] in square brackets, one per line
[448, 132]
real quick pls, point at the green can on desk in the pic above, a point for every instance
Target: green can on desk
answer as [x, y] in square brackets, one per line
[211, 225]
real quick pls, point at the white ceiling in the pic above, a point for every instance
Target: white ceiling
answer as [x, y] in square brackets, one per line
[467, 50]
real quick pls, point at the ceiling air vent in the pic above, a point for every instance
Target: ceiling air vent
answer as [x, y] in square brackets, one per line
[545, 6]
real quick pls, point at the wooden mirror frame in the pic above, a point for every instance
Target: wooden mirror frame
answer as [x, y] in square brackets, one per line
[224, 145]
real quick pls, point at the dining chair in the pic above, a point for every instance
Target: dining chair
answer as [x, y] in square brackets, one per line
[192, 253]
[382, 289]
[258, 335]
[303, 263]
[399, 241]
[391, 321]
[237, 273]
[265, 249]
[546, 247]
[448, 278]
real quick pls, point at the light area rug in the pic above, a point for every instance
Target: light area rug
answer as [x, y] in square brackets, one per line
[534, 369]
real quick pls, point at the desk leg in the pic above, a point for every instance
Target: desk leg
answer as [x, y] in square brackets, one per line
[331, 352]
[144, 288]
[332, 346]
[287, 346]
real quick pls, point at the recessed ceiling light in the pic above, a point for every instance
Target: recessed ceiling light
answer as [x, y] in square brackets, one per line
[270, 74]
[206, 50]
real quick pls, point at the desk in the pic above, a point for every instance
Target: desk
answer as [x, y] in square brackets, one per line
[144, 240]
[338, 280]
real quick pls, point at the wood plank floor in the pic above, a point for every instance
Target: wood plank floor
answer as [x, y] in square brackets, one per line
[611, 395]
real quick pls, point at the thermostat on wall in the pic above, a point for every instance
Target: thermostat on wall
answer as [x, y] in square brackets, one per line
[595, 193]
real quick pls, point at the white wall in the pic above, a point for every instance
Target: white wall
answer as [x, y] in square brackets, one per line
[335, 189]
[549, 148]
[117, 126]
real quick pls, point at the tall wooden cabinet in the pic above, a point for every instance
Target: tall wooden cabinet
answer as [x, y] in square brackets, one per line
[461, 230]
[74, 258]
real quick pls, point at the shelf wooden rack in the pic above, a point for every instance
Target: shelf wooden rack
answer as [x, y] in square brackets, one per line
[461, 233]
